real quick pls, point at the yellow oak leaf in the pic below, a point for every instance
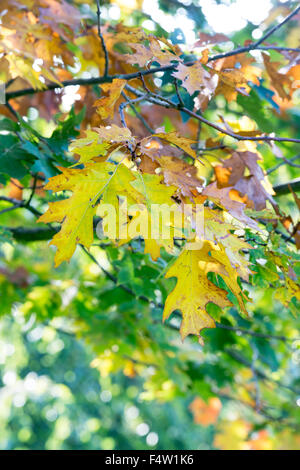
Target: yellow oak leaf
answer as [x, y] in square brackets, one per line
[193, 291]
[105, 105]
[232, 81]
[88, 147]
[230, 277]
[181, 142]
[162, 55]
[22, 67]
[154, 190]
[220, 232]
[156, 219]
[88, 185]
[114, 133]
[233, 247]
[127, 34]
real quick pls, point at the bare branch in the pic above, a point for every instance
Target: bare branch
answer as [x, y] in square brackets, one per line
[16, 204]
[285, 161]
[245, 331]
[284, 188]
[102, 39]
[276, 27]
[180, 101]
[127, 103]
[138, 115]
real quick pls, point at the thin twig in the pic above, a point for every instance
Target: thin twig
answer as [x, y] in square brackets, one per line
[283, 162]
[254, 333]
[144, 83]
[211, 149]
[102, 39]
[138, 115]
[180, 100]
[127, 103]
[35, 178]
[276, 27]
[256, 45]
[278, 48]
[16, 203]
[9, 209]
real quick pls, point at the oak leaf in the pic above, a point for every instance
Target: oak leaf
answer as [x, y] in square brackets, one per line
[279, 80]
[179, 173]
[114, 133]
[222, 198]
[157, 195]
[181, 142]
[195, 78]
[89, 185]
[253, 185]
[105, 105]
[88, 147]
[193, 291]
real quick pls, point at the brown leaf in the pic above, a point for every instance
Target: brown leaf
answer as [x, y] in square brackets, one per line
[222, 198]
[279, 80]
[207, 39]
[254, 185]
[178, 173]
[195, 78]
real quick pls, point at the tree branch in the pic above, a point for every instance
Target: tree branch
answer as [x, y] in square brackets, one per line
[29, 234]
[284, 188]
[253, 333]
[242, 360]
[102, 39]
[164, 102]
[17, 204]
[107, 78]
[127, 103]
[276, 27]
[138, 115]
[283, 162]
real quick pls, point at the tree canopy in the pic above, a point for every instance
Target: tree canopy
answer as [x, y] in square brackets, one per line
[149, 228]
